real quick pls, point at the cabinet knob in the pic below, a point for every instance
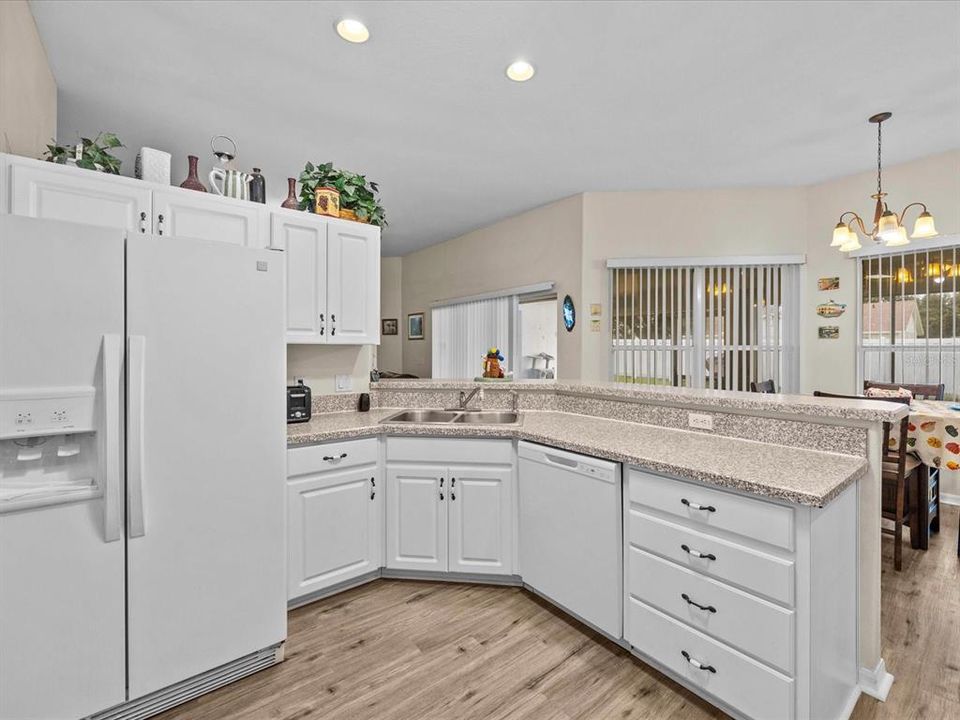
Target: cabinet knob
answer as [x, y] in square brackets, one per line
[160, 224]
[143, 222]
[441, 496]
[453, 495]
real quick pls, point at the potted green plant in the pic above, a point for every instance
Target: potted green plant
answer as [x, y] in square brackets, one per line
[358, 196]
[88, 154]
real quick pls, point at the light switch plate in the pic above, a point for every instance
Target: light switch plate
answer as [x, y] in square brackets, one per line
[344, 383]
[700, 421]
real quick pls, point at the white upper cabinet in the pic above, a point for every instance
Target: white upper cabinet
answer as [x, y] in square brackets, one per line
[192, 214]
[57, 192]
[333, 278]
[304, 243]
[353, 291]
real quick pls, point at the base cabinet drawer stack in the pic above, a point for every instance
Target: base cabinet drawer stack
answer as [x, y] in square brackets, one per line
[334, 515]
[726, 593]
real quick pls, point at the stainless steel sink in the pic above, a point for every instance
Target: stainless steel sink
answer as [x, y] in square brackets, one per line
[443, 417]
[423, 416]
[483, 417]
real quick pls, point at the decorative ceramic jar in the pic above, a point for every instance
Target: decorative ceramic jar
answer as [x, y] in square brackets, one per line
[193, 182]
[291, 203]
[258, 187]
[326, 201]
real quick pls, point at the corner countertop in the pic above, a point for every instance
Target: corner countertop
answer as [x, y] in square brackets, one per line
[795, 475]
[852, 410]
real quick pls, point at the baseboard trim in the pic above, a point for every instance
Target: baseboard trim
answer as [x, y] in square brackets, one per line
[949, 499]
[475, 578]
[333, 589]
[876, 682]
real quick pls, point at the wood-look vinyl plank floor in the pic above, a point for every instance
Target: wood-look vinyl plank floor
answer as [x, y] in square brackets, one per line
[407, 650]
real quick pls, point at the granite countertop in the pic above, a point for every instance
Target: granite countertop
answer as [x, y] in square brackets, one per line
[808, 406]
[797, 475]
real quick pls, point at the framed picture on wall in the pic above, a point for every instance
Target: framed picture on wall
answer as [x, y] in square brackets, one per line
[388, 326]
[415, 326]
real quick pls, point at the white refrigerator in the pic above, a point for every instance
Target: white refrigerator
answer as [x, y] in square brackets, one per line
[142, 451]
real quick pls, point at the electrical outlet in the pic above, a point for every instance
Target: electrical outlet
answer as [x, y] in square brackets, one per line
[344, 383]
[700, 421]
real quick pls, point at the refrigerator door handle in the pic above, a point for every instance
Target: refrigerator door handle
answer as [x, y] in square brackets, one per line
[135, 371]
[110, 459]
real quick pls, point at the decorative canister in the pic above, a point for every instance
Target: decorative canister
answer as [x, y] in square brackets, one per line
[326, 201]
[233, 183]
[291, 203]
[258, 187]
[348, 215]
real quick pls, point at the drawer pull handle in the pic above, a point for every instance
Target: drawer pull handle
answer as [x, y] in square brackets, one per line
[697, 506]
[708, 608]
[697, 664]
[331, 458]
[697, 553]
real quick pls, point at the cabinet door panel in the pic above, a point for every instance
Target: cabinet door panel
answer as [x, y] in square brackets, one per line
[481, 531]
[199, 215]
[334, 529]
[417, 518]
[353, 293]
[304, 243]
[83, 196]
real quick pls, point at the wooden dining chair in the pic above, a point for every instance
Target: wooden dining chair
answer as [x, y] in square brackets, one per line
[900, 471]
[920, 391]
[766, 386]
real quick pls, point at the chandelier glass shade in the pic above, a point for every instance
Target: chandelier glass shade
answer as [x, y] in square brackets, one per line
[888, 227]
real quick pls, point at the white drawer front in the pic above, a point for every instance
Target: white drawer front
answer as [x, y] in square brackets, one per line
[756, 627]
[449, 450]
[739, 681]
[751, 569]
[707, 507]
[331, 456]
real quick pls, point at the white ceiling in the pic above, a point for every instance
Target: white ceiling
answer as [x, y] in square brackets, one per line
[628, 95]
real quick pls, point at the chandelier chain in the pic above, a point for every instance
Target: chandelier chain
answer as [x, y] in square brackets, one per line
[879, 168]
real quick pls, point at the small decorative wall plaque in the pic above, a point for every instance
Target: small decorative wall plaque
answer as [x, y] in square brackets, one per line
[828, 283]
[831, 309]
[569, 313]
[388, 326]
[829, 332]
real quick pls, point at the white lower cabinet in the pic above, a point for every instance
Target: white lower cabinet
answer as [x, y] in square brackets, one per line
[450, 505]
[750, 602]
[334, 515]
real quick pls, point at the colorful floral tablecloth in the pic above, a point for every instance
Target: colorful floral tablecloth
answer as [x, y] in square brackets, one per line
[934, 436]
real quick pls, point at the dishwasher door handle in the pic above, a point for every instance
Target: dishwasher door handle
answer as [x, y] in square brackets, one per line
[558, 460]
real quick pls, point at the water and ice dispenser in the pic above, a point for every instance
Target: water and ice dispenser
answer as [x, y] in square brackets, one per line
[48, 446]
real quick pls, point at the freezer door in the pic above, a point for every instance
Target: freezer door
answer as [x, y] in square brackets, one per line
[206, 445]
[61, 550]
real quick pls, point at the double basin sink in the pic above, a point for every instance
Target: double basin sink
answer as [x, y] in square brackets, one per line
[459, 417]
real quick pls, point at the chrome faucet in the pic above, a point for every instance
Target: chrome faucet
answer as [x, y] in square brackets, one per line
[515, 400]
[466, 398]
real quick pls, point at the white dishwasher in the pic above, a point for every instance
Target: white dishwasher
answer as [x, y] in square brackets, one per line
[571, 538]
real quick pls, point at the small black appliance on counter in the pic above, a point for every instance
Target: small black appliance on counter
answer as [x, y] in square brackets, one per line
[298, 403]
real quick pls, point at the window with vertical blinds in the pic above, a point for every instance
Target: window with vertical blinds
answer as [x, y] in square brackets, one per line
[718, 326]
[463, 332]
[908, 318]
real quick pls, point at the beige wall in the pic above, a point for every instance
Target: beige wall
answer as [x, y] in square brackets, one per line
[541, 245]
[390, 352]
[28, 92]
[831, 364]
[319, 365]
[679, 223]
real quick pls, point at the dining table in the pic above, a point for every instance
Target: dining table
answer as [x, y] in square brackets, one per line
[933, 437]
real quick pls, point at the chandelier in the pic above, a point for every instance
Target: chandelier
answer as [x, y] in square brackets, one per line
[888, 226]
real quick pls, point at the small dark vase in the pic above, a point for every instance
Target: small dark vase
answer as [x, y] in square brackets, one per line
[193, 182]
[291, 202]
[258, 187]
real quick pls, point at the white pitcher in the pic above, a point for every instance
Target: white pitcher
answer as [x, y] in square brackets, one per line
[233, 183]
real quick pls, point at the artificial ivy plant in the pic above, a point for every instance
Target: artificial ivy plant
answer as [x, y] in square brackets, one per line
[94, 154]
[356, 192]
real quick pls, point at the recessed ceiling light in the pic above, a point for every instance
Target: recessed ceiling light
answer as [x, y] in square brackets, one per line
[353, 31]
[520, 71]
